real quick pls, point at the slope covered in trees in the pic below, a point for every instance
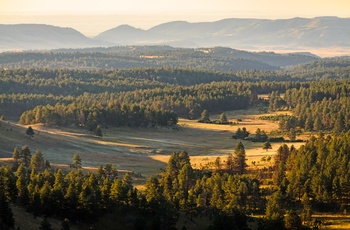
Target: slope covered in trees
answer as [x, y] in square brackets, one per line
[219, 59]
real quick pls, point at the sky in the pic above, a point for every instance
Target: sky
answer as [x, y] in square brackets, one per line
[92, 17]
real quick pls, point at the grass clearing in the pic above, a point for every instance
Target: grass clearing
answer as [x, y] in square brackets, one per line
[144, 151]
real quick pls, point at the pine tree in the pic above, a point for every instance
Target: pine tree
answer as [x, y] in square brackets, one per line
[77, 161]
[58, 191]
[205, 116]
[37, 160]
[30, 131]
[7, 220]
[267, 146]
[16, 154]
[292, 221]
[22, 185]
[98, 131]
[223, 119]
[306, 212]
[25, 155]
[274, 208]
[239, 158]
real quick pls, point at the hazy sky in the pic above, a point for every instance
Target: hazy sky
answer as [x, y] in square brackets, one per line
[93, 16]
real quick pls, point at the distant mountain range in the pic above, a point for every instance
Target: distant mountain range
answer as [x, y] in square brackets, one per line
[263, 34]
[38, 37]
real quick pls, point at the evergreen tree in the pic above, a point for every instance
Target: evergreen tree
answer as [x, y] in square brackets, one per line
[239, 158]
[205, 116]
[22, 184]
[267, 146]
[292, 221]
[98, 131]
[223, 119]
[30, 131]
[37, 161]
[274, 207]
[307, 211]
[292, 134]
[16, 154]
[7, 220]
[77, 161]
[217, 164]
[25, 155]
[58, 191]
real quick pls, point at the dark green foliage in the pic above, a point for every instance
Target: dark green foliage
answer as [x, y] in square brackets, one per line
[30, 131]
[16, 154]
[274, 210]
[267, 146]
[239, 158]
[241, 133]
[223, 119]
[65, 224]
[45, 224]
[205, 116]
[76, 160]
[292, 221]
[25, 155]
[37, 161]
[320, 170]
[260, 136]
[237, 221]
[98, 131]
[86, 197]
[7, 220]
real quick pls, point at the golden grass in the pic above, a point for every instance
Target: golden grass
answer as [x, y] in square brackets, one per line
[334, 221]
[143, 150]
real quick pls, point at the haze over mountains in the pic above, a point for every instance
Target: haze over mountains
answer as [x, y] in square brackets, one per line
[252, 34]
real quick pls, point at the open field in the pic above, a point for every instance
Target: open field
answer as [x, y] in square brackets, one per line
[142, 150]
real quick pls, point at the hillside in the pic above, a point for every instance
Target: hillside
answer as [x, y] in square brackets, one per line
[287, 34]
[296, 34]
[123, 57]
[36, 36]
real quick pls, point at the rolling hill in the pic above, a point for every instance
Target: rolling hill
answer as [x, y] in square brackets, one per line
[295, 33]
[37, 36]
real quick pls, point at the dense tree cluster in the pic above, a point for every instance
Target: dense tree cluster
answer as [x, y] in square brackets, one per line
[323, 105]
[320, 170]
[85, 197]
[94, 117]
[133, 57]
[316, 175]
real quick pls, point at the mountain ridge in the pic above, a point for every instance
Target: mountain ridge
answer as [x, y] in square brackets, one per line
[239, 33]
[249, 33]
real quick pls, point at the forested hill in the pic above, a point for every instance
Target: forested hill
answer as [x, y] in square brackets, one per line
[240, 33]
[218, 58]
[252, 34]
[37, 36]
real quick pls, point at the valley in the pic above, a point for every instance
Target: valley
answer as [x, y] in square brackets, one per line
[144, 151]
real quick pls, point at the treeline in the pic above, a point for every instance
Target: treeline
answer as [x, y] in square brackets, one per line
[139, 106]
[317, 173]
[151, 88]
[315, 176]
[126, 58]
[76, 82]
[223, 196]
[323, 106]
[93, 117]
